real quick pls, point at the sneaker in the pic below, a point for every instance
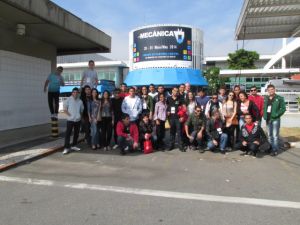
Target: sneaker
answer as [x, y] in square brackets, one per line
[74, 148]
[275, 153]
[171, 148]
[115, 146]
[201, 150]
[66, 151]
[108, 148]
[126, 149]
[223, 151]
[122, 152]
[105, 149]
[181, 148]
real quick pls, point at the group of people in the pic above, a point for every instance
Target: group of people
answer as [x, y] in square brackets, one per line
[226, 120]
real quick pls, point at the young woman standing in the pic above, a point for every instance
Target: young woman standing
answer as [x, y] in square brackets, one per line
[190, 103]
[106, 120]
[94, 117]
[229, 111]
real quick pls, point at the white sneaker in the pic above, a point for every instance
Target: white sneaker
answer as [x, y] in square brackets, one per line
[66, 151]
[105, 149]
[115, 146]
[108, 148]
[74, 148]
[127, 148]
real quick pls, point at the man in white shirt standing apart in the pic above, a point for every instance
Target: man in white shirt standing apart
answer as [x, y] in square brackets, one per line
[73, 107]
[89, 76]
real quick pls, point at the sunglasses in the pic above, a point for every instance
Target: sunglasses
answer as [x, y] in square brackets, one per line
[253, 90]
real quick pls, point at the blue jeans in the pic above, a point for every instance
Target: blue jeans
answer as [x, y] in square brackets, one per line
[273, 132]
[94, 134]
[194, 134]
[222, 142]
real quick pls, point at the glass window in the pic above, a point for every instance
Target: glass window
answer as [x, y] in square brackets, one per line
[71, 77]
[265, 79]
[112, 76]
[257, 79]
[66, 76]
[77, 76]
[100, 75]
[249, 79]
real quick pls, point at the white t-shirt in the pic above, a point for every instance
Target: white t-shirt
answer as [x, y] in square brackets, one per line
[90, 78]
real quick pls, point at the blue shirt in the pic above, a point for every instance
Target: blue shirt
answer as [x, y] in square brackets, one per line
[202, 101]
[54, 82]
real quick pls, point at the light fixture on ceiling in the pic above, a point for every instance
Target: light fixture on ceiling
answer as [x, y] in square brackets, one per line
[20, 29]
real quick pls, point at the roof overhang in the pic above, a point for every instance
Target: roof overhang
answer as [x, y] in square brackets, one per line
[263, 19]
[97, 64]
[50, 23]
[259, 72]
[165, 76]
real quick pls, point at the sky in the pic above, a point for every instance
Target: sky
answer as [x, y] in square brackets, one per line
[216, 18]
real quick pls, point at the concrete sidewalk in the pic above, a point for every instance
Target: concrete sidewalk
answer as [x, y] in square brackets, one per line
[13, 159]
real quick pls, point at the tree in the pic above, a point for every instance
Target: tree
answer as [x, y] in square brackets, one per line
[242, 59]
[213, 79]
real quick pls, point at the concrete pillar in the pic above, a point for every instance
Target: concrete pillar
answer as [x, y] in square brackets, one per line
[283, 60]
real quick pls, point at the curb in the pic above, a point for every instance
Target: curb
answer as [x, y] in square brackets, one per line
[295, 144]
[25, 160]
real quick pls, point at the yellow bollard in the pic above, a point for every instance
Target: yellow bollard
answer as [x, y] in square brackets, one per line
[54, 127]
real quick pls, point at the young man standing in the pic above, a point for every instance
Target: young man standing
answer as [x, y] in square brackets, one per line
[73, 107]
[53, 82]
[123, 90]
[222, 94]
[258, 101]
[132, 105]
[202, 99]
[152, 91]
[173, 103]
[187, 88]
[182, 95]
[274, 108]
[213, 105]
[89, 77]
[117, 111]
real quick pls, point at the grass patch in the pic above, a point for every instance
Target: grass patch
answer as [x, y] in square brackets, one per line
[292, 134]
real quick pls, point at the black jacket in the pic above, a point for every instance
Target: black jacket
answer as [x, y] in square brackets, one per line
[255, 135]
[144, 129]
[211, 131]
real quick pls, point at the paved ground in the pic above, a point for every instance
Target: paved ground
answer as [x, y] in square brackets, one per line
[90, 187]
[96, 187]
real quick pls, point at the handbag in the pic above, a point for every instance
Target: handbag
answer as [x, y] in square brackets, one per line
[148, 148]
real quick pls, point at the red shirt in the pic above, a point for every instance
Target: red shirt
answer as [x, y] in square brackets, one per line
[123, 94]
[133, 130]
[249, 127]
[259, 102]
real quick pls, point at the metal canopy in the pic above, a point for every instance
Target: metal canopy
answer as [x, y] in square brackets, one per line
[51, 24]
[263, 19]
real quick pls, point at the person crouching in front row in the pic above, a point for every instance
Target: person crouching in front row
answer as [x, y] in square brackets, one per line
[145, 130]
[128, 134]
[215, 132]
[251, 135]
